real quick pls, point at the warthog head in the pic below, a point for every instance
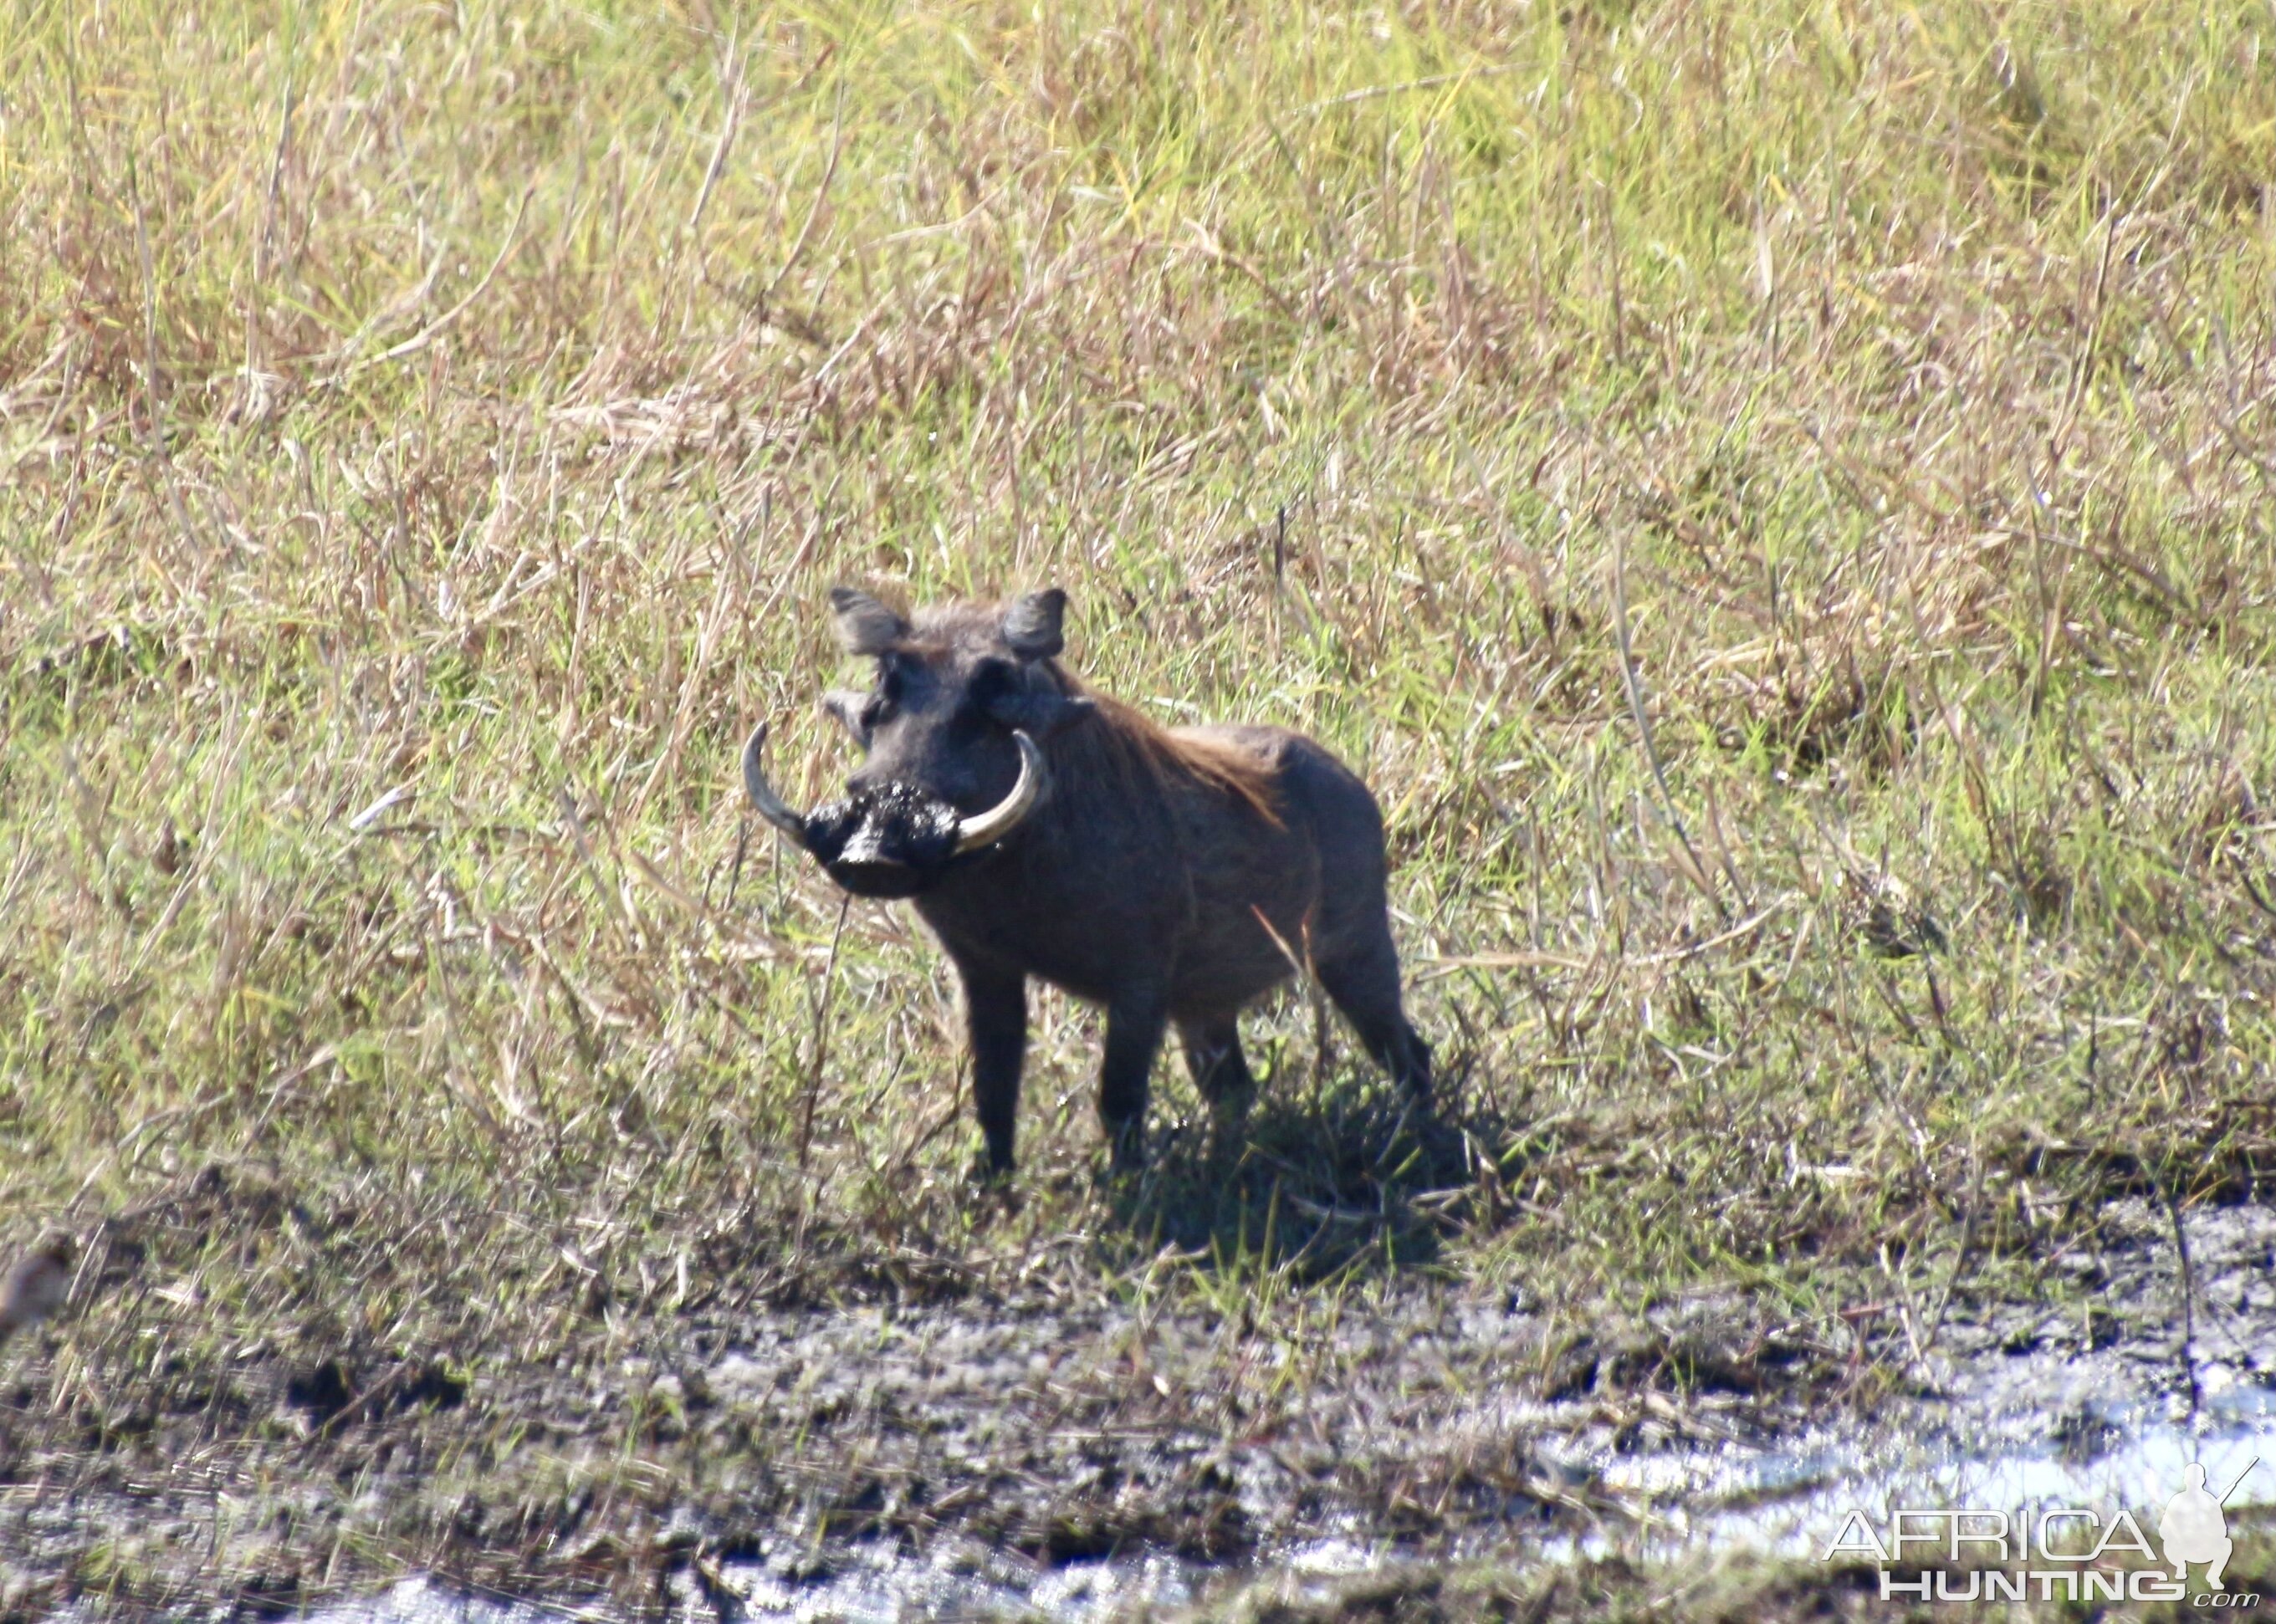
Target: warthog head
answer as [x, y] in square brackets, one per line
[951, 735]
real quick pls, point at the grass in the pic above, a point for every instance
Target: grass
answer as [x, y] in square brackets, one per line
[1775, 498]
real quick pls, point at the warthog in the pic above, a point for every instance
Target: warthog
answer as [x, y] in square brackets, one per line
[1044, 830]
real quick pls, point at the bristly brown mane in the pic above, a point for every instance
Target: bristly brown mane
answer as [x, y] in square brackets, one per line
[1139, 742]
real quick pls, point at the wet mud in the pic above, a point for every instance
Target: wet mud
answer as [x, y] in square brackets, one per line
[1039, 1458]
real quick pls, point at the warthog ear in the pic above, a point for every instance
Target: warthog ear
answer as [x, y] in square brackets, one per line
[865, 626]
[1031, 625]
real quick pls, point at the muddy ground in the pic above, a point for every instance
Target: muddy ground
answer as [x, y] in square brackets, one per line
[1038, 1450]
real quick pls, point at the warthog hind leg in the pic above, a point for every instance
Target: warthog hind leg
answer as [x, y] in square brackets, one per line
[1365, 986]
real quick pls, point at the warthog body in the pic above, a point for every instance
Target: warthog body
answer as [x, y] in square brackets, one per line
[1166, 876]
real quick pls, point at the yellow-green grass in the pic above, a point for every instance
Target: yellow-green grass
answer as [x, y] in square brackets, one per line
[470, 406]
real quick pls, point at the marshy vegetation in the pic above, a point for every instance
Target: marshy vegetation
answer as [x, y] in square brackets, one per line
[1775, 498]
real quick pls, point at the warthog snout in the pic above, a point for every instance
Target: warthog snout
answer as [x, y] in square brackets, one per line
[893, 839]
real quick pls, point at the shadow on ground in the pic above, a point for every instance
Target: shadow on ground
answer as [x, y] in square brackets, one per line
[1346, 1176]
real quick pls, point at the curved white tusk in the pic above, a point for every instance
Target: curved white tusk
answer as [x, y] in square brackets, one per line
[763, 798]
[986, 828]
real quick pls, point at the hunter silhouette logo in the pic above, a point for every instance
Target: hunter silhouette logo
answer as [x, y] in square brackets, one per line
[2195, 1528]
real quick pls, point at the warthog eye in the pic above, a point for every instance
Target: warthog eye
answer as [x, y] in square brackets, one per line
[890, 687]
[991, 682]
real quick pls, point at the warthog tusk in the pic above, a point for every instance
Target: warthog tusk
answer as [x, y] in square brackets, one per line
[769, 805]
[986, 828]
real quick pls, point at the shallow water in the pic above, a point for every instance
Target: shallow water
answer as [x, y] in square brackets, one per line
[1789, 1500]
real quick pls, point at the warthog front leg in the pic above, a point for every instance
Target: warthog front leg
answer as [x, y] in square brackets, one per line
[996, 1016]
[1134, 1019]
